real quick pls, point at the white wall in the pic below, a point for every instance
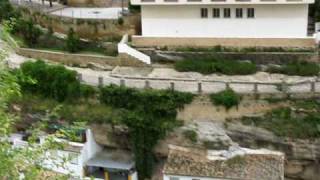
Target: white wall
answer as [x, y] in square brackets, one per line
[271, 21]
[167, 177]
[123, 47]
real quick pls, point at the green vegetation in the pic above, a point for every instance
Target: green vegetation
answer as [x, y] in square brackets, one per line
[149, 115]
[24, 160]
[7, 11]
[219, 48]
[211, 65]
[227, 98]
[29, 35]
[300, 68]
[303, 123]
[191, 135]
[216, 145]
[72, 42]
[236, 160]
[53, 81]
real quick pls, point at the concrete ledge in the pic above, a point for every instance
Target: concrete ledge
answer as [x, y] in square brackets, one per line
[141, 41]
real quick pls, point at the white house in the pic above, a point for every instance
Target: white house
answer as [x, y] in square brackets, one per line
[224, 22]
[86, 160]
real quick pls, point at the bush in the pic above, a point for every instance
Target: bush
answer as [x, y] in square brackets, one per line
[7, 11]
[120, 21]
[299, 68]
[87, 91]
[209, 66]
[53, 81]
[25, 28]
[72, 42]
[227, 98]
[191, 135]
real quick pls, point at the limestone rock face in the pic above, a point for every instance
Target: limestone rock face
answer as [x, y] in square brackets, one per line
[302, 155]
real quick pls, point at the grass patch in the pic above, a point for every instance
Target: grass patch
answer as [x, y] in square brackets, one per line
[211, 65]
[227, 98]
[299, 68]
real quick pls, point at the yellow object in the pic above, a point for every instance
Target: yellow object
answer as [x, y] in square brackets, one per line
[129, 177]
[106, 175]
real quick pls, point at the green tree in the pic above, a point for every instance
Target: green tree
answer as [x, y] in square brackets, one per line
[149, 115]
[73, 41]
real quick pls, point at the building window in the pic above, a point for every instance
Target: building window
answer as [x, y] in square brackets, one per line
[250, 12]
[239, 12]
[226, 12]
[204, 12]
[216, 12]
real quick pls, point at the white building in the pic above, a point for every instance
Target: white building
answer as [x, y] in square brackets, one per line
[86, 160]
[224, 22]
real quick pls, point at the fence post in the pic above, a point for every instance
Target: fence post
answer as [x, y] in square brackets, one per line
[147, 84]
[80, 77]
[172, 86]
[255, 88]
[100, 78]
[227, 85]
[199, 87]
[313, 87]
[122, 82]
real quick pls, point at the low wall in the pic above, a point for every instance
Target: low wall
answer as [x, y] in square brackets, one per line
[257, 57]
[67, 58]
[141, 41]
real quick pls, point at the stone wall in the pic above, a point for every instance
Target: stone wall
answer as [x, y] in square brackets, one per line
[83, 60]
[85, 28]
[67, 58]
[257, 57]
[141, 41]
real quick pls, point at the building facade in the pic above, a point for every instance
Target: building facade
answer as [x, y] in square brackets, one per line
[225, 19]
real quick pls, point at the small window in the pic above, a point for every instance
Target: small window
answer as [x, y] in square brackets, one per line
[226, 12]
[216, 12]
[239, 12]
[204, 12]
[250, 12]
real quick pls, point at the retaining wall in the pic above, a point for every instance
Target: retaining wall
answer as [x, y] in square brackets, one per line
[85, 28]
[141, 41]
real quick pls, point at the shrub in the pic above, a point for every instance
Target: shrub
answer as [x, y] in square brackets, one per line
[300, 68]
[87, 91]
[72, 42]
[7, 11]
[227, 98]
[191, 135]
[210, 65]
[53, 81]
[120, 21]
